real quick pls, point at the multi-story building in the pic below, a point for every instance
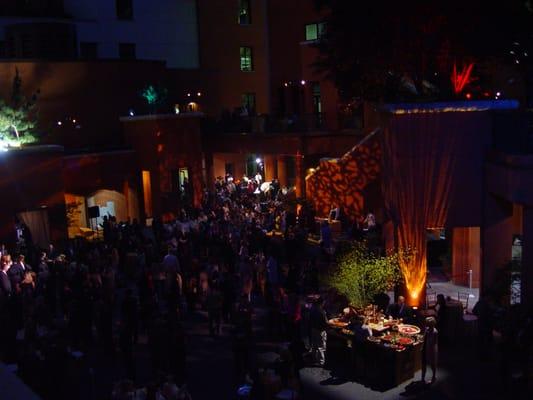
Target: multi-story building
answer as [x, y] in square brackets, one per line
[164, 30]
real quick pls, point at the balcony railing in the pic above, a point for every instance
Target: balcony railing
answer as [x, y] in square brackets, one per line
[266, 124]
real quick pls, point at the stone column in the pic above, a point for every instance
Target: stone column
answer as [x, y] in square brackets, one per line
[282, 171]
[126, 192]
[300, 175]
[270, 167]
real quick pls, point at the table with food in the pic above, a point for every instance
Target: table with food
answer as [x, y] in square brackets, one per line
[385, 359]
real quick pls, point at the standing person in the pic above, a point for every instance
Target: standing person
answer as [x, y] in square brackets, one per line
[484, 310]
[430, 349]
[258, 178]
[6, 323]
[272, 271]
[130, 316]
[214, 309]
[170, 261]
[325, 237]
[5, 282]
[16, 273]
[318, 322]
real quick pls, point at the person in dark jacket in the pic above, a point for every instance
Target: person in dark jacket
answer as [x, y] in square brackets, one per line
[399, 309]
[318, 322]
[16, 273]
[5, 283]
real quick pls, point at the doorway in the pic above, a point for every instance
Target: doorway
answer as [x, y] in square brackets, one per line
[36, 222]
[438, 255]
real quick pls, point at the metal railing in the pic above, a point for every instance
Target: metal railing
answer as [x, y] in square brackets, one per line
[265, 123]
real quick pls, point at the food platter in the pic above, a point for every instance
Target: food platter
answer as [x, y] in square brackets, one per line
[337, 323]
[387, 338]
[398, 340]
[405, 329]
[405, 341]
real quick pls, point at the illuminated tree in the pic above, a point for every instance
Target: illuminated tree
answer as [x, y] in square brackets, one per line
[155, 97]
[18, 116]
[361, 274]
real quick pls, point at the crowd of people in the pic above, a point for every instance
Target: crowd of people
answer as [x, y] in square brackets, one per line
[245, 247]
[140, 281]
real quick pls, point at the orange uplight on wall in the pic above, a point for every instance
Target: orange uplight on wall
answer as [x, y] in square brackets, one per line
[418, 181]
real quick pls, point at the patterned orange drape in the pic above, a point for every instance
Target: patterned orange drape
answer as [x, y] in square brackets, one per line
[342, 181]
[419, 157]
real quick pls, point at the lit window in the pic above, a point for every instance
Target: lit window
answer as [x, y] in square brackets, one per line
[248, 101]
[124, 9]
[315, 31]
[245, 16]
[246, 59]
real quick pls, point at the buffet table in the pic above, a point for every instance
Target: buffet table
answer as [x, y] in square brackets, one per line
[381, 362]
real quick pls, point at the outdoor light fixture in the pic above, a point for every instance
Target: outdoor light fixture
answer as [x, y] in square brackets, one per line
[258, 160]
[73, 120]
[302, 82]
[199, 94]
[131, 113]
[285, 84]
[59, 123]
[188, 95]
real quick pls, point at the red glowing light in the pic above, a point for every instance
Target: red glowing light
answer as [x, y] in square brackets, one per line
[462, 78]
[468, 96]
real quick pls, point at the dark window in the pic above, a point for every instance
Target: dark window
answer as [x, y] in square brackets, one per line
[315, 31]
[126, 51]
[3, 52]
[317, 98]
[124, 9]
[88, 50]
[248, 101]
[246, 59]
[245, 16]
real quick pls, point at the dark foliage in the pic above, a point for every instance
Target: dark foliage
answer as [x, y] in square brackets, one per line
[402, 50]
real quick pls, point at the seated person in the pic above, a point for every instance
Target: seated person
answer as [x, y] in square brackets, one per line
[370, 221]
[334, 213]
[399, 309]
